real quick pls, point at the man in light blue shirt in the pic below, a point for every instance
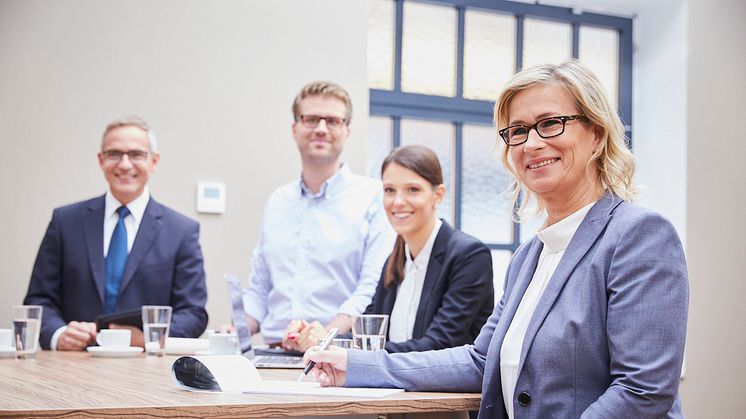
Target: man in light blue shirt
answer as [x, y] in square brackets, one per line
[325, 237]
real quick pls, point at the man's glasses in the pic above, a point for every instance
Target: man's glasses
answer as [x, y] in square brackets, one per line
[546, 128]
[312, 121]
[115, 156]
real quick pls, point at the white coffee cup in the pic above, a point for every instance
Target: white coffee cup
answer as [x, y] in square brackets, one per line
[223, 344]
[6, 339]
[114, 338]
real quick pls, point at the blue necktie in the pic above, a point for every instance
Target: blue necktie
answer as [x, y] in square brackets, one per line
[116, 258]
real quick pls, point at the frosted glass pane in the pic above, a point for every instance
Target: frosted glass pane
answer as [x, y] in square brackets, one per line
[439, 137]
[500, 261]
[429, 49]
[380, 129]
[598, 49]
[485, 207]
[530, 224]
[546, 42]
[381, 36]
[489, 53]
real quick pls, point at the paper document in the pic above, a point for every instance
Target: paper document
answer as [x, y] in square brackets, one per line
[236, 374]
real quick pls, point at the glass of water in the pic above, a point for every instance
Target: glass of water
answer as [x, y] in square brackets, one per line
[26, 328]
[156, 320]
[369, 331]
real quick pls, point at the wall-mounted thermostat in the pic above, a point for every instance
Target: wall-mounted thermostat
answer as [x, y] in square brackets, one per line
[211, 197]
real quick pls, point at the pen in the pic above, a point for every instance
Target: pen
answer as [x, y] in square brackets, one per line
[324, 344]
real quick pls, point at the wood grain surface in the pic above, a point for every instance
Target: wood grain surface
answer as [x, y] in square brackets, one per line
[75, 384]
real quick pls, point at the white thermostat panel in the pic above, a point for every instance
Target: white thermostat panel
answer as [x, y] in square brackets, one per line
[211, 197]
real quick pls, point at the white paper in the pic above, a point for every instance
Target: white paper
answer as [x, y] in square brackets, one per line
[237, 374]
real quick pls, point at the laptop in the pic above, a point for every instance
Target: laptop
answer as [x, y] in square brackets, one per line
[262, 358]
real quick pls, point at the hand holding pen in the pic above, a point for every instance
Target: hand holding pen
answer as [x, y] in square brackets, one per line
[324, 344]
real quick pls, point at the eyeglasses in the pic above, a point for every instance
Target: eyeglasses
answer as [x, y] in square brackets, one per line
[312, 121]
[115, 156]
[546, 128]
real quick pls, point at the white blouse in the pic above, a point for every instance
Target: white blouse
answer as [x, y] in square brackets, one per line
[555, 238]
[404, 313]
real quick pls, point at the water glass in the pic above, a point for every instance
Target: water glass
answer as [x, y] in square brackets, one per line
[26, 328]
[369, 331]
[156, 320]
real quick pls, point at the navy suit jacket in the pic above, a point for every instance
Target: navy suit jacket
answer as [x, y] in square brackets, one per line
[606, 339]
[457, 295]
[164, 267]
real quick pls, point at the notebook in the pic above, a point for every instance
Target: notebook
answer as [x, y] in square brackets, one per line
[262, 358]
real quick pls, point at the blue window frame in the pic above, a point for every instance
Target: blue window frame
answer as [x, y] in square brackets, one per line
[397, 105]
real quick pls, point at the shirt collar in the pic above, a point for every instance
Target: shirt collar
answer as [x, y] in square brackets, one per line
[330, 187]
[424, 256]
[136, 206]
[557, 236]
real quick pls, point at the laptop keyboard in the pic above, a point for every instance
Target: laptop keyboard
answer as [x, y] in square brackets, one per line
[278, 361]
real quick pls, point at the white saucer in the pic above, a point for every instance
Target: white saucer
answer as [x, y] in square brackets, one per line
[8, 352]
[114, 352]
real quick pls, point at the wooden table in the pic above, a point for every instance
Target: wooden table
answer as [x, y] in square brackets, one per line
[77, 384]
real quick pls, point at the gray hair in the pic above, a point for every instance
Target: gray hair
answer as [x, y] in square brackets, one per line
[133, 121]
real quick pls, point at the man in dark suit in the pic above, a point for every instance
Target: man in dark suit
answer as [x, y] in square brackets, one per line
[118, 251]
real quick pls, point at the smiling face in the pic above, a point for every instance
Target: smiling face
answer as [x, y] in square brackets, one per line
[321, 145]
[410, 202]
[556, 169]
[127, 179]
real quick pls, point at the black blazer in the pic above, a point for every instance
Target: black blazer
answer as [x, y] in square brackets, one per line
[457, 295]
[164, 267]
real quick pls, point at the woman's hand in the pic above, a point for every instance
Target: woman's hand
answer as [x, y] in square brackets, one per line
[301, 335]
[331, 365]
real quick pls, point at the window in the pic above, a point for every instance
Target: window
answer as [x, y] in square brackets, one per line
[434, 70]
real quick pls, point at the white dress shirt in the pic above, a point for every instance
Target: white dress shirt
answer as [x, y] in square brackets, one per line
[131, 224]
[404, 313]
[318, 255]
[555, 238]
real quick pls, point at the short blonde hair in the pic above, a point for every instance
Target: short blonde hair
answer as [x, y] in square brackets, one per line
[323, 88]
[614, 162]
[133, 121]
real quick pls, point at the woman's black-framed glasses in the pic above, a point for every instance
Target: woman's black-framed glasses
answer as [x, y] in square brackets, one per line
[546, 128]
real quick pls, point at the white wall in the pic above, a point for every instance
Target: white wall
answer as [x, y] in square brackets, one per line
[214, 79]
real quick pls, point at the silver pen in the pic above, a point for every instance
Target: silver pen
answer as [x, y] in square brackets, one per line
[324, 344]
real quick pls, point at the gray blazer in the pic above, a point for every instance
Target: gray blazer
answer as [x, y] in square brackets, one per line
[606, 339]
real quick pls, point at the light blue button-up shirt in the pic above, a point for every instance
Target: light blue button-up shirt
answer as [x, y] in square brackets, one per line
[318, 255]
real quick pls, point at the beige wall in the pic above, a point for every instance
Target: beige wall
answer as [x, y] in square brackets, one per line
[716, 348]
[215, 80]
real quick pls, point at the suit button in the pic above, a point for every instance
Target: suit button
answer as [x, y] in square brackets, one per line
[524, 398]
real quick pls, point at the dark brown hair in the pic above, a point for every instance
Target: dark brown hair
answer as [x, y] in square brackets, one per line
[424, 162]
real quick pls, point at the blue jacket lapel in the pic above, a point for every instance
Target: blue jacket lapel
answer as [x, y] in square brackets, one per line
[146, 234]
[583, 239]
[515, 292]
[93, 231]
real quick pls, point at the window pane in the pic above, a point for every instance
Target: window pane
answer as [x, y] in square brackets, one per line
[489, 53]
[485, 207]
[500, 261]
[530, 225]
[381, 44]
[380, 133]
[546, 42]
[439, 137]
[429, 49]
[598, 48]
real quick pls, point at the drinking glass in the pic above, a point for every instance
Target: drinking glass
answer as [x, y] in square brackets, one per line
[156, 320]
[26, 328]
[369, 331]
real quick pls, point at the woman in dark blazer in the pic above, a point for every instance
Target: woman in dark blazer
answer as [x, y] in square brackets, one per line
[436, 285]
[452, 289]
